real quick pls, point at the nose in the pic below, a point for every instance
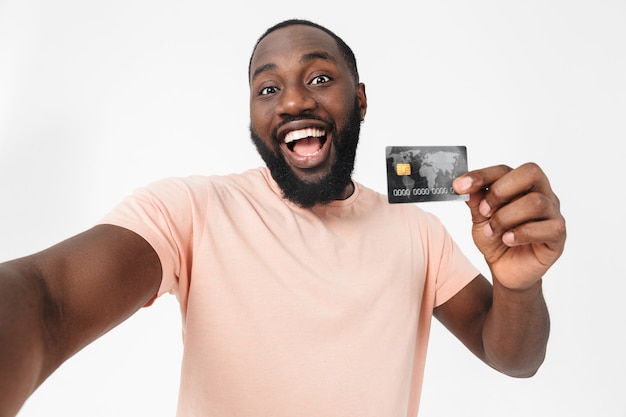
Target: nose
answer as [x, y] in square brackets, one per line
[295, 100]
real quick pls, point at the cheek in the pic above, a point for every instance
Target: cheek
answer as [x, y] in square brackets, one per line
[339, 105]
[260, 118]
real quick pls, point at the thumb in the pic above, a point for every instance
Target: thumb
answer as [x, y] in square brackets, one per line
[479, 208]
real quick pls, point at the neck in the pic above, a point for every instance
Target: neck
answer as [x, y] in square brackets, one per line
[349, 190]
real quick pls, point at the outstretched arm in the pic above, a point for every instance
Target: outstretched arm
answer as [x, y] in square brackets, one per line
[55, 302]
[518, 227]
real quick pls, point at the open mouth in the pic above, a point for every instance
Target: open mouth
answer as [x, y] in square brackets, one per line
[306, 142]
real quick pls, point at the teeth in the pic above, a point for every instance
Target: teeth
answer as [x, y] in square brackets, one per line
[304, 133]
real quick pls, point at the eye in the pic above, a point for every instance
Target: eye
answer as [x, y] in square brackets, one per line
[268, 90]
[320, 79]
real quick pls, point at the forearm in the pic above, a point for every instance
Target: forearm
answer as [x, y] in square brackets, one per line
[23, 342]
[516, 330]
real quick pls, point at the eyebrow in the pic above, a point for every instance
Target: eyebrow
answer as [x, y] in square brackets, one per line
[311, 56]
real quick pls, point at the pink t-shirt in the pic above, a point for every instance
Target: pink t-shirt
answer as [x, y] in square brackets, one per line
[291, 312]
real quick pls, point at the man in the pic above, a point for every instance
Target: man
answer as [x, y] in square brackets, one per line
[303, 293]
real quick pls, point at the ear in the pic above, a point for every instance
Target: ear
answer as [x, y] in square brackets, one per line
[362, 98]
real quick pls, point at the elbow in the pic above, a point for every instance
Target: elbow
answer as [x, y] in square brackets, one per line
[518, 367]
[523, 373]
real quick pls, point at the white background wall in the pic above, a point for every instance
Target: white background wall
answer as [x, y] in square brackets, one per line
[98, 98]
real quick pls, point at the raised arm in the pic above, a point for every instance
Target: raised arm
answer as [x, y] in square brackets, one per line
[55, 302]
[518, 227]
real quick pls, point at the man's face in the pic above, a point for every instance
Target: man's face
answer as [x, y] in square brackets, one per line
[305, 112]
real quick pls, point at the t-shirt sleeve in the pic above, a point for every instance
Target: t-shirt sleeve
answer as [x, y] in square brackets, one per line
[449, 266]
[162, 214]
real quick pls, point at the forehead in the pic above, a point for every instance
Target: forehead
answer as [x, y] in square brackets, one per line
[293, 42]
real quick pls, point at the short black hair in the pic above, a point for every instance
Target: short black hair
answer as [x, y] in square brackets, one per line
[346, 51]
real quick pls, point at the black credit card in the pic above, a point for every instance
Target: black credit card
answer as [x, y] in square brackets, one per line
[417, 174]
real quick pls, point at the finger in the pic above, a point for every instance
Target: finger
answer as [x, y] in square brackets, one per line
[480, 179]
[531, 207]
[528, 178]
[476, 184]
[549, 232]
[532, 219]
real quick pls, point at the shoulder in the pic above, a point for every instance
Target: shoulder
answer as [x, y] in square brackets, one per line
[201, 187]
[187, 199]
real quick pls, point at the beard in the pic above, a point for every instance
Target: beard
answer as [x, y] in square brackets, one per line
[329, 187]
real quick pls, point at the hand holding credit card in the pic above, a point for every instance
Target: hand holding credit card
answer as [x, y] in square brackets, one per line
[424, 173]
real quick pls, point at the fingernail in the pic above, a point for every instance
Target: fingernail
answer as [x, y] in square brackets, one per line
[508, 238]
[487, 231]
[484, 208]
[463, 184]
